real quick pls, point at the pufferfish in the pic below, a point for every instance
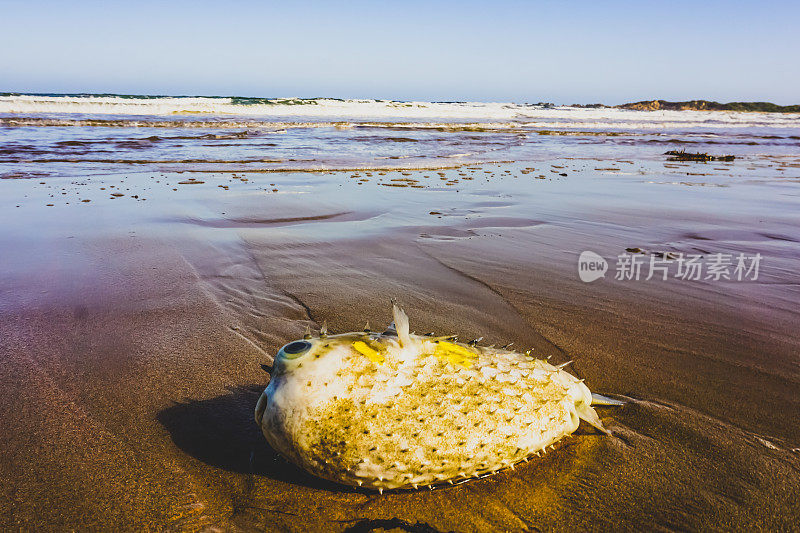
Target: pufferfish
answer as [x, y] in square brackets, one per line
[395, 410]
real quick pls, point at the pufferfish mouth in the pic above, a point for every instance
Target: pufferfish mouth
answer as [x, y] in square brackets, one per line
[292, 350]
[261, 406]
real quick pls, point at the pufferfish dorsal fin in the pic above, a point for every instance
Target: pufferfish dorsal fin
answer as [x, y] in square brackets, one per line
[400, 324]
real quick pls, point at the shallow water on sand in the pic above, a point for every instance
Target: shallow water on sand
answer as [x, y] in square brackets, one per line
[134, 323]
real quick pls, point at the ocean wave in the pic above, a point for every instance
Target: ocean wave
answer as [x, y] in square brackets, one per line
[572, 128]
[197, 111]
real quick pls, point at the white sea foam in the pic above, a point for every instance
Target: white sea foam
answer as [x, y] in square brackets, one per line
[421, 113]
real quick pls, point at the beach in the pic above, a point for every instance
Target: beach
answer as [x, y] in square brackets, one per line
[155, 257]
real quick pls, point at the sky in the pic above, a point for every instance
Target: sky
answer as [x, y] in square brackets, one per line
[536, 51]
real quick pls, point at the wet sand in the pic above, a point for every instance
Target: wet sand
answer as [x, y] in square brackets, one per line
[133, 331]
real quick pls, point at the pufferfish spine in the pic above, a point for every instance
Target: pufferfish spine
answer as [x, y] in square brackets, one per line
[399, 411]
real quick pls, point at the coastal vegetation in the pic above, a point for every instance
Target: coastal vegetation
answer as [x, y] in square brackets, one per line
[707, 105]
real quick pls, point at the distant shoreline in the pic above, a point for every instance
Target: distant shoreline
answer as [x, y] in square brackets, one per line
[12, 102]
[707, 105]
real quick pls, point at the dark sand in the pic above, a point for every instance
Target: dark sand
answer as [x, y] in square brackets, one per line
[132, 334]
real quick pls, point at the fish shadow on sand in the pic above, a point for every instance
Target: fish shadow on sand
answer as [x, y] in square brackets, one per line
[222, 432]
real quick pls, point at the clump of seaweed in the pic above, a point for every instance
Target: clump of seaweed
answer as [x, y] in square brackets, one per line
[683, 155]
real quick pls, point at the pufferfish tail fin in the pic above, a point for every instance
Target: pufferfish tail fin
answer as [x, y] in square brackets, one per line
[587, 414]
[599, 399]
[400, 325]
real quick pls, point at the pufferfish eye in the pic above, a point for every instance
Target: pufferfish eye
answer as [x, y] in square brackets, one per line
[295, 349]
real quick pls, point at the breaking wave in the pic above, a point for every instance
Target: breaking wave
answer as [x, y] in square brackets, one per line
[188, 111]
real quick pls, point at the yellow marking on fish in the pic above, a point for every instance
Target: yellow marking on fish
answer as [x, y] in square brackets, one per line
[453, 353]
[373, 355]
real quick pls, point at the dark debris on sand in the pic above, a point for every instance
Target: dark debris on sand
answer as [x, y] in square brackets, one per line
[683, 155]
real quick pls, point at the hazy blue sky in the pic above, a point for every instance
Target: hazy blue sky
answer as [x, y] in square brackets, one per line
[565, 52]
